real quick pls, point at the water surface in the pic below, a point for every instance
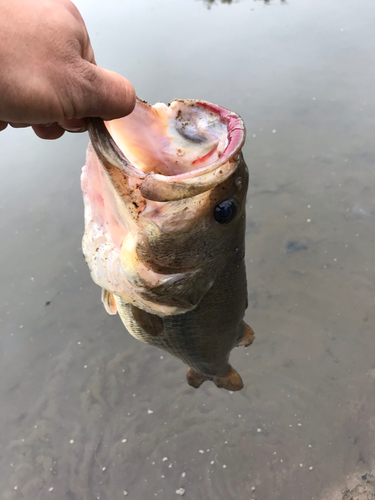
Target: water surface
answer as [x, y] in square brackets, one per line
[88, 412]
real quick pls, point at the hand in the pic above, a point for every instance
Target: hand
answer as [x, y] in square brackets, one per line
[49, 78]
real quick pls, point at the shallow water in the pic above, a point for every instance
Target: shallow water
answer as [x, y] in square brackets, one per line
[88, 412]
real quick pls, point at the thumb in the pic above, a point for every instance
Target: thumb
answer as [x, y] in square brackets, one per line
[107, 94]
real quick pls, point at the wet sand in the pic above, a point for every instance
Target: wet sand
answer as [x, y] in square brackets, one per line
[88, 412]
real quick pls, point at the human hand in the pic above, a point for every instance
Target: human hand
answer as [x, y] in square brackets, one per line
[49, 79]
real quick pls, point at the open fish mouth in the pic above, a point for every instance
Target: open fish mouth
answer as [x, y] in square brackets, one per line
[176, 151]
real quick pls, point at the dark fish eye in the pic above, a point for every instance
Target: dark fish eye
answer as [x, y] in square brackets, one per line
[225, 211]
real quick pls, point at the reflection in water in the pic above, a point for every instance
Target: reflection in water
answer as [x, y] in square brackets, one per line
[209, 3]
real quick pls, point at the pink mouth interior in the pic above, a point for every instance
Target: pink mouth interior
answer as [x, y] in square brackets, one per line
[177, 139]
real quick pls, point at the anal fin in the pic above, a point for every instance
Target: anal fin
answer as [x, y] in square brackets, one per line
[194, 378]
[109, 302]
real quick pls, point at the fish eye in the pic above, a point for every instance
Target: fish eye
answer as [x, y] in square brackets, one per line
[225, 211]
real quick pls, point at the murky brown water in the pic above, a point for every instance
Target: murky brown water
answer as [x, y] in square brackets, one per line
[88, 412]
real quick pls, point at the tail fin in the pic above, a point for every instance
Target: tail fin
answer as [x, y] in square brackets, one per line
[231, 382]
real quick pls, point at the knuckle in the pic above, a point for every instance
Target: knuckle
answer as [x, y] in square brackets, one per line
[79, 90]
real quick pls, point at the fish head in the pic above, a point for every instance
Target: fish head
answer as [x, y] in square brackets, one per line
[164, 191]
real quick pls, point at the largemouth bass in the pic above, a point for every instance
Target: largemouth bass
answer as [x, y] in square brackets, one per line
[164, 192]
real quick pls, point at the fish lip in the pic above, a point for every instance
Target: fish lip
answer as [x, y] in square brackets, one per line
[106, 148]
[236, 133]
[159, 187]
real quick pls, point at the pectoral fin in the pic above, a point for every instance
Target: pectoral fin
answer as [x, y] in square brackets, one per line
[149, 323]
[248, 336]
[109, 302]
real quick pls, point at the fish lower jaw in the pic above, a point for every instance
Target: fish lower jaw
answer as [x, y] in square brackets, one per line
[148, 306]
[119, 271]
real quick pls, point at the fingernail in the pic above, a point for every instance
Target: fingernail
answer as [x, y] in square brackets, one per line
[75, 129]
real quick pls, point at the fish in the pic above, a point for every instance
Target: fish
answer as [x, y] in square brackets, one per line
[164, 192]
